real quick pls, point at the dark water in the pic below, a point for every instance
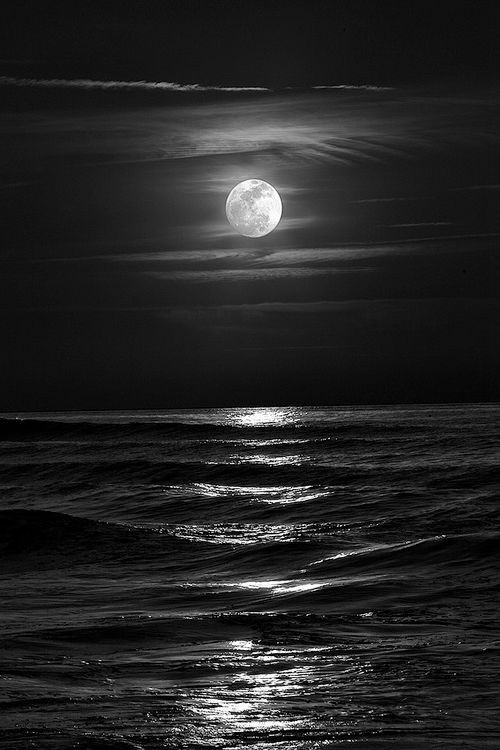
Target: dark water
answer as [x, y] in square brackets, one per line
[273, 578]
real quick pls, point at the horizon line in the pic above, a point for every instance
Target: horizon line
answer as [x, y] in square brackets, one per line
[263, 406]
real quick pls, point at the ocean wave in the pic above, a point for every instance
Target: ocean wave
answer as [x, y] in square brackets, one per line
[50, 539]
[29, 428]
[340, 472]
[31, 538]
[34, 539]
[237, 630]
[454, 550]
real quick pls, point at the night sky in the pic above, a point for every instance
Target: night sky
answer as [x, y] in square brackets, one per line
[122, 285]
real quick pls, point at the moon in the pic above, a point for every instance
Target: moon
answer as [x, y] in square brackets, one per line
[253, 208]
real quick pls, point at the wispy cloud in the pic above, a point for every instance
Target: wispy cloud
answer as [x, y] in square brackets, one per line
[475, 187]
[248, 274]
[416, 224]
[214, 260]
[88, 83]
[354, 87]
[217, 231]
[286, 126]
[401, 199]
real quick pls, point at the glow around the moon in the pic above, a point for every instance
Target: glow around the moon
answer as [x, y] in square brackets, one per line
[253, 208]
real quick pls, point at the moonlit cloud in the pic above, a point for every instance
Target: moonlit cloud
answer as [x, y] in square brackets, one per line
[353, 87]
[412, 225]
[347, 130]
[223, 229]
[244, 274]
[228, 264]
[389, 200]
[86, 83]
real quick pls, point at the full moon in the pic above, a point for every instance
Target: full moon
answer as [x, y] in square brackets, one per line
[253, 208]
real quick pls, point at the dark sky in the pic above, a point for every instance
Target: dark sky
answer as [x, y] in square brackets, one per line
[123, 286]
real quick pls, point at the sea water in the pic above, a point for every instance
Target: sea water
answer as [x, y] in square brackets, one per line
[267, 578]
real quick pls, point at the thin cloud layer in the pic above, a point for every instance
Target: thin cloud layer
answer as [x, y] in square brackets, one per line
[86, 84]
[346, 130]
[354, 87]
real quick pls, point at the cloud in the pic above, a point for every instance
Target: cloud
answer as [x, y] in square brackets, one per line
[218, 231]
[262, 308]
[256, 265]
[419, 224]
[287, 126]
[246, 274]
[210, 261]
[475, 187]
[209, 316]
[390, 200]
[354, 87]
[87, 83]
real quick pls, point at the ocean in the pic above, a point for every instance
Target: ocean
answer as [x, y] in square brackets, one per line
[267, 578]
